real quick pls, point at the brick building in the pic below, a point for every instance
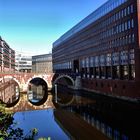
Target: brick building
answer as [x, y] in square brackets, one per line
[7, 57]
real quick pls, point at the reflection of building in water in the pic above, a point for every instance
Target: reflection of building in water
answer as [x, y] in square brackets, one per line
[97, 123]
[36, 92]
[9, 92]
[7, 57]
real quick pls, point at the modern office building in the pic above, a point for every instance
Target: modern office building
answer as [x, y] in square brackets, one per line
[7, 57]
[104, 50]
[23, 62]
[42, 63]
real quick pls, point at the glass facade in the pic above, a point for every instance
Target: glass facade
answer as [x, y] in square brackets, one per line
[100, 12]
[103, 43]
[42, 63]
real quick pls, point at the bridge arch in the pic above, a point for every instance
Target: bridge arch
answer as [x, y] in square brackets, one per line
[64, 76]
[12, 96]
[34, 96]
[41, 77]
[12, 78]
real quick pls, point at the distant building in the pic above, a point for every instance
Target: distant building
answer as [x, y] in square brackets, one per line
[42, 63]
[7, 57]
[23, 62]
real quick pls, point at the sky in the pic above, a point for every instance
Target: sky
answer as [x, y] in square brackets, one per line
[33, 25]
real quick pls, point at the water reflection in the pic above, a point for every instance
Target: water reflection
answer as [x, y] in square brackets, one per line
[44, 121]
[81, 114]
[115, 119]
[37, 91]
[9, 91]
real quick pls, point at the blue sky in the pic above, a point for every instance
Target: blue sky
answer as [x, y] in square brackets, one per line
[33, 25]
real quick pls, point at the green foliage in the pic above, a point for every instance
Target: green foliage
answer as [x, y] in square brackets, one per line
[7, 130]
[7, 124]
[45, 138]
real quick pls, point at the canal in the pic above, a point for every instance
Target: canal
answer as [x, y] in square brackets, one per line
[76, 115]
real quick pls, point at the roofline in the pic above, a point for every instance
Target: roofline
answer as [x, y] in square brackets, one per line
[95, 15]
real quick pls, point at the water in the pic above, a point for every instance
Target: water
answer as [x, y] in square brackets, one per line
[44, 121]
[116, 119]
[77, 115]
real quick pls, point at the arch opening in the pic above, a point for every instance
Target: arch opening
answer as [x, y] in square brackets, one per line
[37, 92]
[9, 91]
[64, 80]
[62, 87]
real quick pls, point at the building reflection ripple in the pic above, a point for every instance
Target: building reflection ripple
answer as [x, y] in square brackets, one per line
[114, 119]
[9, 91]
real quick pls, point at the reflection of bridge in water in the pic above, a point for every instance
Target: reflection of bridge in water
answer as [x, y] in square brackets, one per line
[25, 105]
[24, 87]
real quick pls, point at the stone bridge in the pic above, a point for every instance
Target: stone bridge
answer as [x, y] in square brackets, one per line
[23, 79]
[7, 95]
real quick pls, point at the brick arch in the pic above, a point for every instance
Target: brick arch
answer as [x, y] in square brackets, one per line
[64, 76]
[41, 77]
[11, 77]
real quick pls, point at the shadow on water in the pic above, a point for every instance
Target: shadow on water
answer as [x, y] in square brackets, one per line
[9, 92]
[37, 92]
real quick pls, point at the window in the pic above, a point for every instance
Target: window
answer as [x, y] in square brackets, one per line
[125, 12]
[132, 23]
[122, 13]
[124, 71]
[119, 14]
[102, 71]
[132, 72]
[115, 72]
[122, 26]
[126, 39]
[128, 10]
[116, 16]
[133, 38]
[125, 25]
[132, 8]
[108, 71]
[97, 72]
[129, 38]
[129, 26]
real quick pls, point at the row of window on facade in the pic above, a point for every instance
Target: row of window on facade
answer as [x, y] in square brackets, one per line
[125, 40]
[115, 72]
[106, 8]
[117, 58]
[120, 41]
[49, 58]
[117, 16]
[103, 10]
[123, 27]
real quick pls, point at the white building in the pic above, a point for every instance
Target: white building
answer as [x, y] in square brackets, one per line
[23, 62]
